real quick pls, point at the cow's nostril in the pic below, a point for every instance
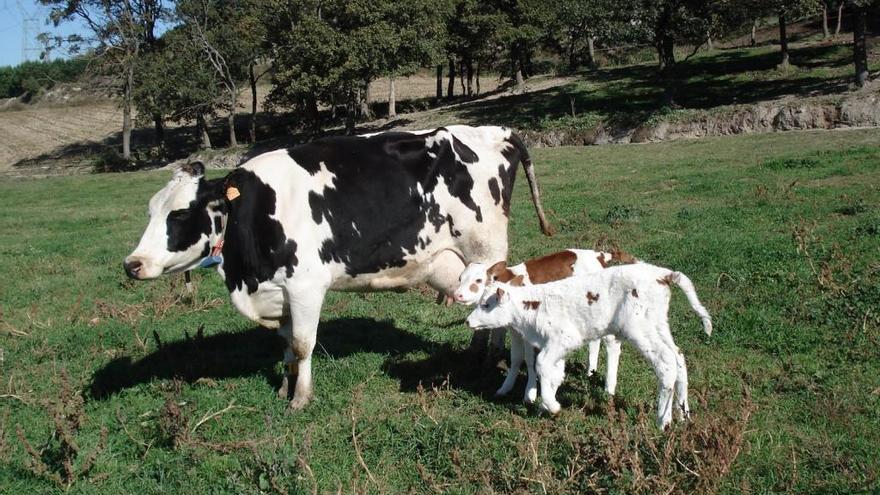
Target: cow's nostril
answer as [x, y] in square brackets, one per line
[132, 268]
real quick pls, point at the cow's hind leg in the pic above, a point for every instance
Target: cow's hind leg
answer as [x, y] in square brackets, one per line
[305, 312]
[290, 367]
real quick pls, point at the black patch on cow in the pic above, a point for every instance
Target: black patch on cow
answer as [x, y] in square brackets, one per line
[494, 190]
[452, 230]
[255, 246]
[375, 209]
[218, 224]
[466, 154]
[185, 226]
[507, 176]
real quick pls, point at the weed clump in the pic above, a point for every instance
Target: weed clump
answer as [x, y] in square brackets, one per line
[619, 214]
[791, 163]
[62, 460]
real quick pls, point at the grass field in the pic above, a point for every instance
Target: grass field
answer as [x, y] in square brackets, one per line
[122, 387]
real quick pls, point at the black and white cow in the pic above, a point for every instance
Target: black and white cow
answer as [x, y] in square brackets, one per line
[363, 213]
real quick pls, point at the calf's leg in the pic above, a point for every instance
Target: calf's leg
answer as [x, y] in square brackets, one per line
[645, 338]
[516, 358]
[612, 358]
[593, 356]
[531, 393]
[551, 374]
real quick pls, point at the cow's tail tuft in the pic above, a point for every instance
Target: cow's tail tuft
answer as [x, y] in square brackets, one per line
[686, 286]
[529, 169]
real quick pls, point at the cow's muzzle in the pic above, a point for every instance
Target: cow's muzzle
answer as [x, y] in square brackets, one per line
[133, 268]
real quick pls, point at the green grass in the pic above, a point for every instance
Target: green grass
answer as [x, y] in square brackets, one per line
[779, 233]
[711, 83]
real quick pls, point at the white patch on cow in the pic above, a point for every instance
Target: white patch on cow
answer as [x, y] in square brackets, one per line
[323, 179]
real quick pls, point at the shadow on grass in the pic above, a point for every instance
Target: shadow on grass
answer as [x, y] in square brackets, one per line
[253, 352]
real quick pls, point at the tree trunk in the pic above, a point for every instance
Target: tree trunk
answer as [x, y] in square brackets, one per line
[202, 132]
[825, 32]
[709, 43]
[253, 80]
[231, 119]
[126, 111]
[783, 42]
[664, 42]
[450, 86]
[591, 50]
[350, 108]
[839, 18]
[159, 126]
[312, 114]
[439, 81]
[572, 62]
[754, 40]
[392, 104]
[478, 77]
[518, 75]
[469, 68]
[461, 77]
[860, 49]
[366, 113]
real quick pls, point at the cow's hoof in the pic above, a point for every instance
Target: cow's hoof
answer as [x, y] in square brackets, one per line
[298, 403]
[501, 392]
[531, 396]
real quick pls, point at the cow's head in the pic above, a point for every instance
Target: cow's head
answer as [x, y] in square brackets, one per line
[495, 309]
[185, 222]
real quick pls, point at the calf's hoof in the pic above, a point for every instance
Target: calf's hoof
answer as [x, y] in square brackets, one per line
[282, 390]
[531, 396]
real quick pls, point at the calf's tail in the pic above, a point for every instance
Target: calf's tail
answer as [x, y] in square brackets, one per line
[686, 286]
[529, 169]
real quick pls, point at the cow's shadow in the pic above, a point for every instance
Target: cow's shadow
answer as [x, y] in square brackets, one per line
[258, 351]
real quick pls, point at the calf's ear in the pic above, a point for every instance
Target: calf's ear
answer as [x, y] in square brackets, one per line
[194, 169]
[500, 293]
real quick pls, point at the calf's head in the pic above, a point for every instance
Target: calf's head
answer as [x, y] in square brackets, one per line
[494, 311]
[471, 284]
[185, 220]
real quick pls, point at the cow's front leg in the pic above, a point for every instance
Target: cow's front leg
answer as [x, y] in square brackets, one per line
[305, 312]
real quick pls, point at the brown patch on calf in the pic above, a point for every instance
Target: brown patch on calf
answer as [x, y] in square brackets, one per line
[474, 288]
[556, 266]
[635, 293]
[499, 272]
[531, 304]
[518, 281]
[667, 280]
[602, 261]
[591, 298]
[622, 257]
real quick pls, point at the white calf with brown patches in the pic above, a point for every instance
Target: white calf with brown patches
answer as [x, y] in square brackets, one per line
[630, 302]
[557, 266]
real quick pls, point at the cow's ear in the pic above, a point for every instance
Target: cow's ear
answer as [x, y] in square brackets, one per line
[194, 169]
[496, 269]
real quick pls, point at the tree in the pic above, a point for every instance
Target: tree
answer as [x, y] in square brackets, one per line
[787, 10]
[178, 84]
[228, 34]
[859, 10]
[521, 32]
[470, 30]
[121, 29]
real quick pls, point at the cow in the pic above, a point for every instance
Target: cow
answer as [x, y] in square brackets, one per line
[350, 213]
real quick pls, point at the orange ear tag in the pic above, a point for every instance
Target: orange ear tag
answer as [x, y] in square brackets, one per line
[232, 193]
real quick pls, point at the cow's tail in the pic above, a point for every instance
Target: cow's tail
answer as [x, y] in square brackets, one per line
[686, 286]
[529, 169]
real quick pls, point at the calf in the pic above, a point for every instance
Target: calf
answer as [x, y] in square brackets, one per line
[557, 266]
[629, 302]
